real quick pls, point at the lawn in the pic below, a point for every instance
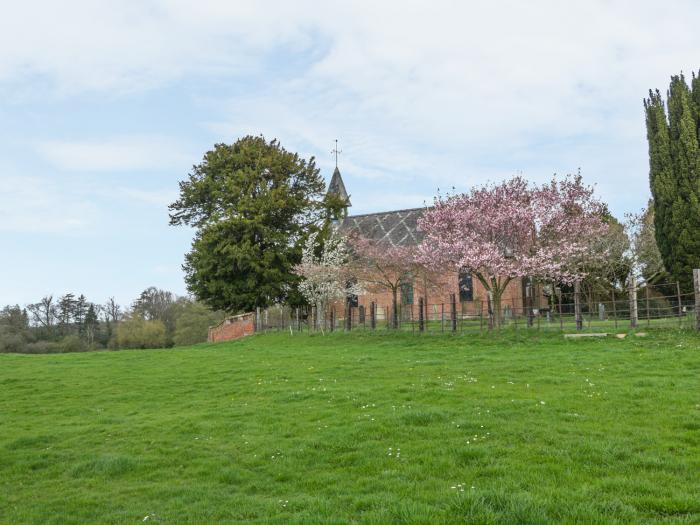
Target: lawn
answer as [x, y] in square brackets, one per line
[357, 428]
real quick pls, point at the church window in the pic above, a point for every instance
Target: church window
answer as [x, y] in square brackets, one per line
[466, 286]
[406, 290]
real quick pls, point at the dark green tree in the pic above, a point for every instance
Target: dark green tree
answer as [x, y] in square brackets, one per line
[674, 175]
[91, 324]
[66, 312]
[252, 204]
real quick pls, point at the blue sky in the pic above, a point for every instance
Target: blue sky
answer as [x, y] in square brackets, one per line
[105, 106]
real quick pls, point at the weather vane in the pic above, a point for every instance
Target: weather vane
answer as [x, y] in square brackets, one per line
[336, 152]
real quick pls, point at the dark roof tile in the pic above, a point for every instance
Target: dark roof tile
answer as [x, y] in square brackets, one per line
[398, 228]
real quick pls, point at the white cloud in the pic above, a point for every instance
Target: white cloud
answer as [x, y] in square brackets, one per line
[447, 92]
[130, 45]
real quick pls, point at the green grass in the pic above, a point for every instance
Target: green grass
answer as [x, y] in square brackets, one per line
[307, 429]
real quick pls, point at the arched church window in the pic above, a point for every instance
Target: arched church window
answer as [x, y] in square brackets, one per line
[466, 286]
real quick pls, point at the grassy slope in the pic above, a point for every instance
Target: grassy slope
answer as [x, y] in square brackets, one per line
[306, 429]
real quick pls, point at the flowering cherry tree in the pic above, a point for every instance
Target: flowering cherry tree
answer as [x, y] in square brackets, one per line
[325, 277]
[381, 266]
[500, 232]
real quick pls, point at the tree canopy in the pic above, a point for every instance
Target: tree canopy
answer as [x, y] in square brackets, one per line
[674, 175]
[252, 204]
[515, 229]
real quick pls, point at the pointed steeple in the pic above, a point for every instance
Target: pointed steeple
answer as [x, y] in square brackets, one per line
[337, 188]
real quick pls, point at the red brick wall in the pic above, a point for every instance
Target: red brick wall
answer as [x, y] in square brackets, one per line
[440, 294]
[232, 328]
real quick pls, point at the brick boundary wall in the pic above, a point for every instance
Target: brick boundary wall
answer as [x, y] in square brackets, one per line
[232, 328]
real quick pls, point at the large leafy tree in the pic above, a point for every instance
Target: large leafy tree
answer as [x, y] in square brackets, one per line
[674, 175]
[252, 204]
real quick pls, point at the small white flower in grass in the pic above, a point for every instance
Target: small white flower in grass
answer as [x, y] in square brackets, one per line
[542, 403]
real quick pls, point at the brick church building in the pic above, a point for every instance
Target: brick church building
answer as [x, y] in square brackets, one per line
[400, 228]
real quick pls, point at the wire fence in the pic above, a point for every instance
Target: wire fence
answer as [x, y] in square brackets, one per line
[647, 306]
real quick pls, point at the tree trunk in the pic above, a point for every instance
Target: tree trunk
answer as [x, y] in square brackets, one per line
[395, 309]
[497, 295]
[577, 305]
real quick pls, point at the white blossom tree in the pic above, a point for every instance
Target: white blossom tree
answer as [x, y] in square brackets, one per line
[325, 277]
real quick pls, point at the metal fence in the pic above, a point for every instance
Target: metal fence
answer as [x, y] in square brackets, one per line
[647, 306]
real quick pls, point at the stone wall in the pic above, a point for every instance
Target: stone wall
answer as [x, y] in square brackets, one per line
[233, 327]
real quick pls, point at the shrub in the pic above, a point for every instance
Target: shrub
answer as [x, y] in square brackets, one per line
[72, 343]
[10, 342]
[43, 347]
[193, 322]
[136, 332]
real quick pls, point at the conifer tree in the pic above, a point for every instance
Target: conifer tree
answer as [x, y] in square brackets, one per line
[674, 175]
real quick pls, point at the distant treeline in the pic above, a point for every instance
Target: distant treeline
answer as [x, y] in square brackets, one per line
[70, 323]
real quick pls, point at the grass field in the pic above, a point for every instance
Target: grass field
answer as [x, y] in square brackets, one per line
[356, 428]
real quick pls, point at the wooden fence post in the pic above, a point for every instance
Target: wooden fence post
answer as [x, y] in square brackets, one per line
[332, 327]
[646, 294]
[528, 301]
[453, 312]
[481, 316]
[680, 308]
[577, 305]
[413, 326]
[258, 320]
[348, 316]
[696, 289]
[373, 315]
[421, 316]
[561, 319]
[633, 301]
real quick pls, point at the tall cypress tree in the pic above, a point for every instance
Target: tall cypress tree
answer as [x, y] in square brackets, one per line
[674, 175]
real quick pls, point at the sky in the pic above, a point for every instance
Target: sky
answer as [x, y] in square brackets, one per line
[105, 106]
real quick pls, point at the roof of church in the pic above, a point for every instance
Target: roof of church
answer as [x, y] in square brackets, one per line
[337, 187]
[398, 228]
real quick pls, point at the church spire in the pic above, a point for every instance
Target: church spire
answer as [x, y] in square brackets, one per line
[336, 187]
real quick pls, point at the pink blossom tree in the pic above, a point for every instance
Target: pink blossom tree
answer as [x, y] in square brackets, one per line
[381, 266]
[501, 232]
